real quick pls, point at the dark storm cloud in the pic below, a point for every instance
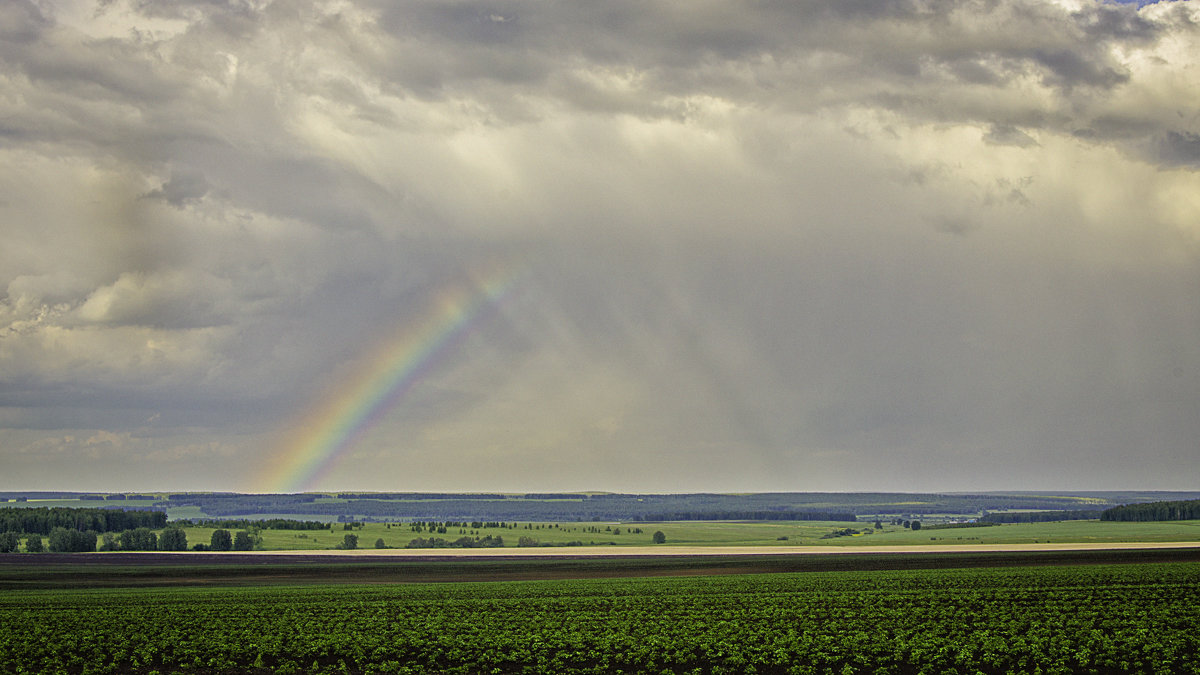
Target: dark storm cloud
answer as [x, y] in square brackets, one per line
[773, 245]
[1008, 135]
[21, 22]
[913, 56]
[1180, 149]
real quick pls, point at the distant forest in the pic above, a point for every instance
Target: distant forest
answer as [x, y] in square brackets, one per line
[502, 508]
[577, 507]
[1040, 516]
[628, 507]
[42, 520]
[1184, 510]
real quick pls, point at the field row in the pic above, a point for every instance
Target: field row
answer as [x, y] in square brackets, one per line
[1104, 618]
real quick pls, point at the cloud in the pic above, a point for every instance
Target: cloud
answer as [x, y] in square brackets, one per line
[1179, 148]
[187, 186]
[1008, 135]
[21, 21]
[116, 460]
[790, 242]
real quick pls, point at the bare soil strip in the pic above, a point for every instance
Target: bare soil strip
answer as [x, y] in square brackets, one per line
[157, 569]
[667, 550]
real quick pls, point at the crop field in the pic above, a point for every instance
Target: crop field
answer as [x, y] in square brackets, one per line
[1099, 618]
[1082, 531]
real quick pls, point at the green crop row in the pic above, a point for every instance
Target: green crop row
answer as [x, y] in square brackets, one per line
[1098, 619]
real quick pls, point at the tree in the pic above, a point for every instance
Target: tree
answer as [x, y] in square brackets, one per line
[243, 541]
[9, 541]
[878, 525]
[350, 542]
[60, 540]
[109, 542]
[379, 543]
[138, 539]
[173, 539]
[34, 545]
[63, 540]
[916, 525]
[221, 541]
[659, 537]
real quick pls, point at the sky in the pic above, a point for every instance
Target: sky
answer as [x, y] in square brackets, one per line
[522, 245]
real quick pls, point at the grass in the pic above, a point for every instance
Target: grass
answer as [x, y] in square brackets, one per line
[722, 533]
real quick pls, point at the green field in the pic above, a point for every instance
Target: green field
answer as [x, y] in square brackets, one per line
[774, 534]
[693, 533]
[991, 612]
[1096, 618]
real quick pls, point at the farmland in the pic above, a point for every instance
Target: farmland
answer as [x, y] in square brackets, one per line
[777, 520]
[775, 535]
[781, 534]
[990, 614]
[717, 596]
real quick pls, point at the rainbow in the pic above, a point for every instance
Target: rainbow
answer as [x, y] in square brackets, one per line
[315, 443]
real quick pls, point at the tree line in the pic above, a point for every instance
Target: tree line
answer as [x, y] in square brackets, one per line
[69, 540]
[577, 506]
[744, 515]
[143, 539]
[419, 495]
[43, 520]
[222, 540]
[1038, 516]
[1150, 511]
[462, 542]
[666, 508]
[267, 524]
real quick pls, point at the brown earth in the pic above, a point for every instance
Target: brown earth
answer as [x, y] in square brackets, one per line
[666, 550]
[371, 566]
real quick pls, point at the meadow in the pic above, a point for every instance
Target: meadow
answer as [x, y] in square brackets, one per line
[1093, 618]
[637, 530]
[781, 534]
